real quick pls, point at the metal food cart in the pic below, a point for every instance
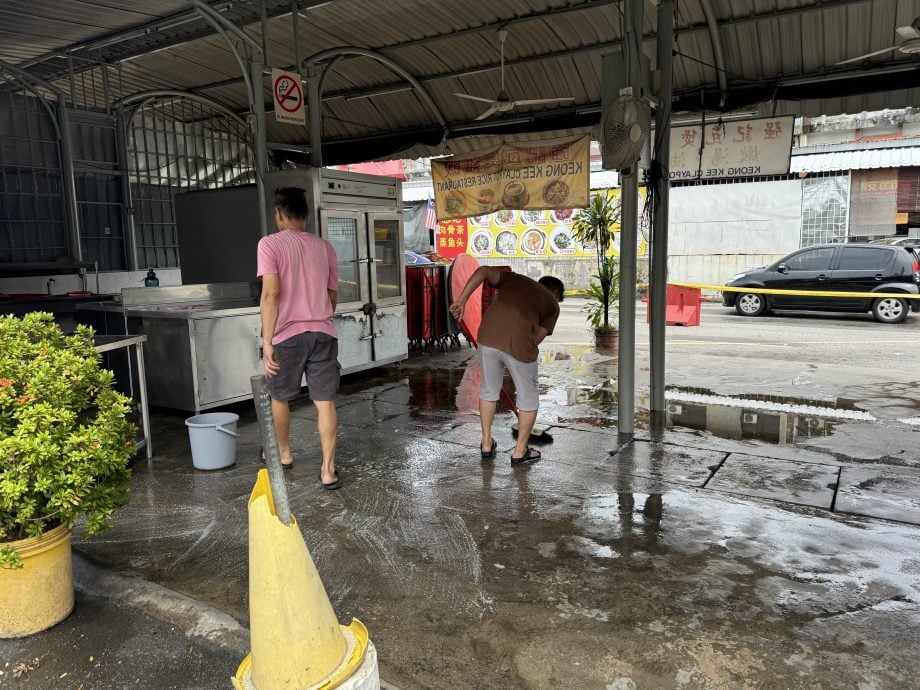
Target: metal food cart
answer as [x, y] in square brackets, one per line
[204, 337]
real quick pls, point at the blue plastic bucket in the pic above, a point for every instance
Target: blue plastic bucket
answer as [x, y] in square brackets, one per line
[213, 439]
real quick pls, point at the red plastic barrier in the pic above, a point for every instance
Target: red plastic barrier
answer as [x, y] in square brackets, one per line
[683, 307]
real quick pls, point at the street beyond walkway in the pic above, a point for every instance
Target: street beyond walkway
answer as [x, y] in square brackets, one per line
[767, 540]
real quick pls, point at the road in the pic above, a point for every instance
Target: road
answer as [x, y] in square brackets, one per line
[816, 357]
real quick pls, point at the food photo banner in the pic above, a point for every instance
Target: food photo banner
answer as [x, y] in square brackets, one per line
[522, 234]
[551, 174]
[731, 149]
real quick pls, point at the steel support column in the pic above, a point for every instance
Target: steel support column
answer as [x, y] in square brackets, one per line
[626, 362]
[658, 275]
[259, 140]
[121, 145]
[70, 187]
[314, 74]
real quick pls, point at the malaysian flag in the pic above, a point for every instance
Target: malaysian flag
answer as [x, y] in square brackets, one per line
[431, 218]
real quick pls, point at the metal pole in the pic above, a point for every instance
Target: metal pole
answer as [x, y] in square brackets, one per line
[295, 16]
[658, 276]
[626, 362]
[121, 142]
[70, 187]
[259, 139]
[263, 24]
[314, 74]
[263, 404]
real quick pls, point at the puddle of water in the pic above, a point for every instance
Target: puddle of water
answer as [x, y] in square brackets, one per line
[739, 423]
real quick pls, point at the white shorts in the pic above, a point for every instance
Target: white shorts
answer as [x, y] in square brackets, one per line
[524, 374]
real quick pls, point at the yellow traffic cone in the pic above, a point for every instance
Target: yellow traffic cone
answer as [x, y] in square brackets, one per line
[297, 642]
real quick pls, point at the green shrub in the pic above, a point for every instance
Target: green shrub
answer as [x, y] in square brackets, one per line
[65, 437]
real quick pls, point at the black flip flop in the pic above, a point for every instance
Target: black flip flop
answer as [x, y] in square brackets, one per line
[488, 454]
[527, 458]
[288, 466]
[333, 485]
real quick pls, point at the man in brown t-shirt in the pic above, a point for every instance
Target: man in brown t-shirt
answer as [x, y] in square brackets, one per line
[521, 316]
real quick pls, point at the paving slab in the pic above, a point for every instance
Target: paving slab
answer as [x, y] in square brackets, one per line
[801, 483]
[668, 462]
[880, 491]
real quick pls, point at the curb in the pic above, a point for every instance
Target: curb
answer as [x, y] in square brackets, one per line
[197, 619]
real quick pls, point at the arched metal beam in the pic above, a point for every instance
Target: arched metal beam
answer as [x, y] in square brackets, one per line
[146, 97]
[316, 80]
[61, 121]
[252, 73]
[28, 82]
[717, 54]
[140, 101]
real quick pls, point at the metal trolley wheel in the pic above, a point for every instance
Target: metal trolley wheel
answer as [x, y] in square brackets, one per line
[750, 304]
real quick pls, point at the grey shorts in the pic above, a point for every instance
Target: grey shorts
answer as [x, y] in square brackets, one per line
[310, 353]
[524, 374]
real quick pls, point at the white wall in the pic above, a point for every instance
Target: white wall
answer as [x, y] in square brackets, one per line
[718, 230]
[109, 283]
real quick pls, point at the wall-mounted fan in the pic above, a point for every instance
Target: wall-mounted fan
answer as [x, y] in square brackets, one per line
[503, 102]
[911, 44]
[625, 125]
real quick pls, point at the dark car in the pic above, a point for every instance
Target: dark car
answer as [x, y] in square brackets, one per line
[833, 268]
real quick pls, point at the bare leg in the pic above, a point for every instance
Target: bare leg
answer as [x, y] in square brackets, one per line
[328, 425]
[526, 420]
[486, 415]
[281, 413]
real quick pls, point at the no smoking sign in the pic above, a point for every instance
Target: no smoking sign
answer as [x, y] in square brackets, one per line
[287, 93]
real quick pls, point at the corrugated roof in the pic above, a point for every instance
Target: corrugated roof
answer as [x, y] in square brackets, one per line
[862, 159]
[779, 56]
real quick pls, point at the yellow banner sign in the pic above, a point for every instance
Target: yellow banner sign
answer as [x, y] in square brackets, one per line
[526, 234]
[551, 174]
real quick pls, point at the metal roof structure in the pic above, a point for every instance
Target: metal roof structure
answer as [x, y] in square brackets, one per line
[774, 56]
[855, 158]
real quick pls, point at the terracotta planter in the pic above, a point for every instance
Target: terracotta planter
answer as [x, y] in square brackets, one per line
[40, 594]
[607, 341]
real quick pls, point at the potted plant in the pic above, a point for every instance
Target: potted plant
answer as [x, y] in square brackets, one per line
[65, 443]
[594, 226]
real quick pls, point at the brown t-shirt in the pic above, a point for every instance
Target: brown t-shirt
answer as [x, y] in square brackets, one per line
[511, 323]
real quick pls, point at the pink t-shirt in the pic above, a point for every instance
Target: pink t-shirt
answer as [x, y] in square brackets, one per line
[308, 267]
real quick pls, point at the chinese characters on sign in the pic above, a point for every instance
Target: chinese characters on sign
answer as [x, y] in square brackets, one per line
[731, 149]
[527, 176]
[451, 237]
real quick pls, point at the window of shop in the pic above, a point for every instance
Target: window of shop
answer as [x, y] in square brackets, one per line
[825, 208]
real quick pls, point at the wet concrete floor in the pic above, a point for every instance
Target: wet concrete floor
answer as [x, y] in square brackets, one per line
[724, 552]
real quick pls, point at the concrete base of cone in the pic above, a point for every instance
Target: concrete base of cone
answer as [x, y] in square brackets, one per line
[365, 677]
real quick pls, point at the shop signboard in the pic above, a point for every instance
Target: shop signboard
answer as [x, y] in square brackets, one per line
[731, 149]
[527, 176]
[530, 234]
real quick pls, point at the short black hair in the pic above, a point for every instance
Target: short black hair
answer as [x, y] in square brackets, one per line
[292, 202]
[553, 285]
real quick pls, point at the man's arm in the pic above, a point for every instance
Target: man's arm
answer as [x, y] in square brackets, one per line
[541, 335]
[268, 306]
[333, 296]
[483, 274]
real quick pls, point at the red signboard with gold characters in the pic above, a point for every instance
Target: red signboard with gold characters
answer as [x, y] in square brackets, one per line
[452, 237]
[540, 175]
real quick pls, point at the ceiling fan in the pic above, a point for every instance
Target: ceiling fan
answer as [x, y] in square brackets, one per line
[502, 102]
[911, 44]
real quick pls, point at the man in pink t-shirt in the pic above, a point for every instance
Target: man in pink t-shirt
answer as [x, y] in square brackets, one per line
[300, 278]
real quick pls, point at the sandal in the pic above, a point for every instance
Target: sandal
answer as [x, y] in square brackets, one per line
[530, 455]
[287, 465]
[488, 454]
[332, 486]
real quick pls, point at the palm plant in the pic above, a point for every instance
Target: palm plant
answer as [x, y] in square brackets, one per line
[594, 225]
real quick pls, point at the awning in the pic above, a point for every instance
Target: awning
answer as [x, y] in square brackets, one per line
[862, 159]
